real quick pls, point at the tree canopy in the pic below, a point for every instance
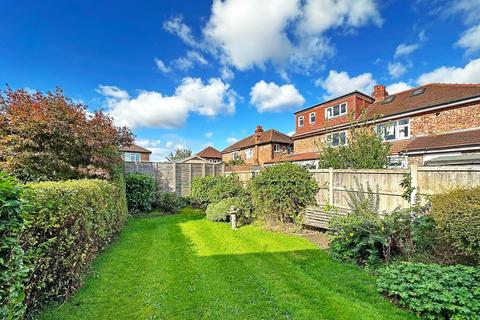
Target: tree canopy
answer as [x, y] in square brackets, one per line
[49, 137]
[179, 154]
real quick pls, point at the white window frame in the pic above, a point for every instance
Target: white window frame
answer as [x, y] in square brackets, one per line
[276, 147]
[395, 128]
[330, 115]
[236, 155]
[301, 121]
[329, 138]
[314, 117]
[132, 157]
[249, 153]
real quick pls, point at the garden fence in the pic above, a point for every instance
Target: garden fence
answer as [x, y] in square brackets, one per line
[175, 177]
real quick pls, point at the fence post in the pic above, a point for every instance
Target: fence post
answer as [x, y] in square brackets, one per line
[174, 171]
[203, 170]
[330, 186]
[222, 169]
[213, 169]
[414, 175]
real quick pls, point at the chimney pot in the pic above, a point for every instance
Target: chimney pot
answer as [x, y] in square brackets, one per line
[258, 130]
[379, 92]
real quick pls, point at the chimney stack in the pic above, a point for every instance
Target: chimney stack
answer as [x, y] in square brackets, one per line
[258, 130]
[379, 92]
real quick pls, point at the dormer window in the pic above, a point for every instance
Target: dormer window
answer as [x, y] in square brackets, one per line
[313, 117]
[418, 91]
[301, 119]
[335, 111]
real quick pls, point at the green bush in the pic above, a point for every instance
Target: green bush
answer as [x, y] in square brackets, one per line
[457, 215]
[69, 223]
[169, 202]
[219, 211]
[282, 191]
[212, 189]
[433, 291]
[13, 271]
[141, 192]
[363, 237]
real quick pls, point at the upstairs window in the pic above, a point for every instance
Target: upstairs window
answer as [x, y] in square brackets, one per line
[249, 153]
[388, 99]
[394, 130]
[300, 121]
[335, 111]
[313, 117]
[337, 139]
[236, 155]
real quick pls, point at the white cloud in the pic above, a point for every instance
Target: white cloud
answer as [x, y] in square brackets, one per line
[162, 66]
[397, 87]
[404, 49]
[321, 15]
[469, 9]
[209, 134]
[249, 33]
[270, 97]
[189, 60]
[227, 73]
[291, 133]
[396, 69]
[338, 83]
[159, 149]
[152, 109]
[470, 39]
[112, 92]
[176, 27]
[468, 74]
[231, 140]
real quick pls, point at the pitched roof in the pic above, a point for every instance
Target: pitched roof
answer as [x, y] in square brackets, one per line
[435, 94]
[302, 156]
[264, 137]
[448, 140]
[210, 153]
[135, 148]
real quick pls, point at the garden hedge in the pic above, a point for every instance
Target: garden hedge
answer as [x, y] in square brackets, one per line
[69, 223]
[141, 192]
[13, 271]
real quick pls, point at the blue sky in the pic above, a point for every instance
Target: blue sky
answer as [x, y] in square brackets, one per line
[197, 73]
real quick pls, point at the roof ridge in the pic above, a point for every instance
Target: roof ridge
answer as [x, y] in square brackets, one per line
[453, 84]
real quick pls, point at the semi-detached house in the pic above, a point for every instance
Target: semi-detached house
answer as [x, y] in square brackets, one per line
[432, 123]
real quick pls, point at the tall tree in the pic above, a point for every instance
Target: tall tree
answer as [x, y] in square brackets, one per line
[179, 154]
[49, 137]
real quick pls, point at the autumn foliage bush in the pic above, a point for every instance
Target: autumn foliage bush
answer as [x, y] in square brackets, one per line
[49, 137]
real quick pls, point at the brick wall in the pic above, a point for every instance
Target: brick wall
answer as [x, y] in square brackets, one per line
[308, 144]
[450, 119]
[144, 157]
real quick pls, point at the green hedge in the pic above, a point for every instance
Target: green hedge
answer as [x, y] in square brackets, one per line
[141, 192]
[13, 271]
[281, 192]
[433, 291]
[219, 211]
[457, 215]
[213, 189]
[69, 223]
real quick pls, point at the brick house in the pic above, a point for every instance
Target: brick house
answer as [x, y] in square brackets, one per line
[423, 123]
[260, 147]
[210, 154]
[135, 153]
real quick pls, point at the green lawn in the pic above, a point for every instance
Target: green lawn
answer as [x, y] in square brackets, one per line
[185, 267]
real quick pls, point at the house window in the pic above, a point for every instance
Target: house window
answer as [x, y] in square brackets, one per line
[388, 99]
[335, 111]
[313, 117]
[236, 155]
[397, 162]
[418, 91]
[132, 157]
[394, 130]
[249, 153]
[336, 139]
[300, 121]
[276, 148]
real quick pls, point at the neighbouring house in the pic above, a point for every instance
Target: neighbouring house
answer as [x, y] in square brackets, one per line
[210, 154]
[260, 147]
[135, 153]
[422, 124]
